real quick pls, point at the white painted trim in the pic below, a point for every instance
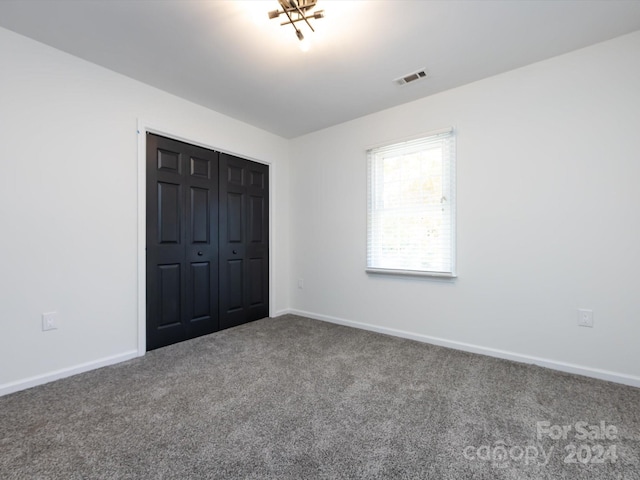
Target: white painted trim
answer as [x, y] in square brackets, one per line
[410, 273]
[171, 132]
[272, 244]
[142, 234]
[491, 352]
[12, 387]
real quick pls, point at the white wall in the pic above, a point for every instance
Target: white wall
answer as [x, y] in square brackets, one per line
[69, 206]
[548, 212]
[548, 217]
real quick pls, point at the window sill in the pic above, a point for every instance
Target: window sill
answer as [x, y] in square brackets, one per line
[410, 273]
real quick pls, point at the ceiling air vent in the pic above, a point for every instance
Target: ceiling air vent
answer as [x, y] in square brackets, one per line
[411, 77]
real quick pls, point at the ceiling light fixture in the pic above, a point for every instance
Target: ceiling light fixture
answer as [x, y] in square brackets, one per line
[297, 11]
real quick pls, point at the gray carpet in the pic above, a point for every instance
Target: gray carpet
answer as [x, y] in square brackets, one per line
[294, 398]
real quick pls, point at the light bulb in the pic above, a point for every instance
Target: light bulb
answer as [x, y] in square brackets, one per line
[304, 45]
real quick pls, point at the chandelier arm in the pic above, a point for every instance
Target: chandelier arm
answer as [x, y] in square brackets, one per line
[292, 24]
[304, 17]
[293, 21]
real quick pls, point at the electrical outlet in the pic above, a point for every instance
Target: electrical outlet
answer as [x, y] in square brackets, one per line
[585, 317]
[49, 321]
[301, 283]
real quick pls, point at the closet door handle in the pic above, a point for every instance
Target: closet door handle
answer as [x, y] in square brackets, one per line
[235, 252]
[199, 254]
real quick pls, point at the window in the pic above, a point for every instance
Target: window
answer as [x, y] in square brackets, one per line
[411, 207]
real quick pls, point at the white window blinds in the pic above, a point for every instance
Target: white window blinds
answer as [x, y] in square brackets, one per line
[411, 206]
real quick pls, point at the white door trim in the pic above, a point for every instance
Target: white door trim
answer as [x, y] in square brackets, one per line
[167, 131]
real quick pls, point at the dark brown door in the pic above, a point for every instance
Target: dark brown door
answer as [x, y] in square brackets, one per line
[244, 241]
[182, 241]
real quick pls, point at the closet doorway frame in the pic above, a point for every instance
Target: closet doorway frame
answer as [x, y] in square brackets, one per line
[143, 128]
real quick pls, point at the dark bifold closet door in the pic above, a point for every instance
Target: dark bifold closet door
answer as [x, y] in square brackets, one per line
[182, 241]
[244, 241]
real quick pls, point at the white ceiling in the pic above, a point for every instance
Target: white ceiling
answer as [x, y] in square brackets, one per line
[228, 56]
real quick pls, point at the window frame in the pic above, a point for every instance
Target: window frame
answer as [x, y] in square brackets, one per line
[446, 134]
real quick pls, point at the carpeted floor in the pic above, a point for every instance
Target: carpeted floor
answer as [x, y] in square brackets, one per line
[294, 398]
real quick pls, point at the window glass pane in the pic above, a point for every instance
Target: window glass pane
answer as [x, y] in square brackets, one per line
[410, 207]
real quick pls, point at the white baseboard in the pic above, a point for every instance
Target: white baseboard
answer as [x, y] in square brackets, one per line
[12, 387]
[492, 352]
[607, 375]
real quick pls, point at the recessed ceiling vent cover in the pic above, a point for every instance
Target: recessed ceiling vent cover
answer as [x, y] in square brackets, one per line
[411, 77]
